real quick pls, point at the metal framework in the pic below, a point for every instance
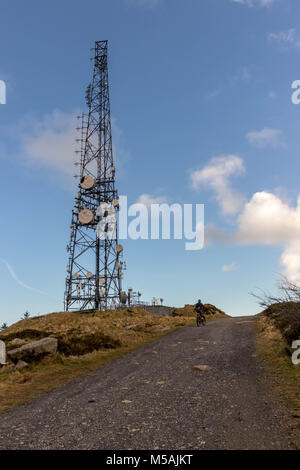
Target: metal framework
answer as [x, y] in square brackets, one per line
[94, 270]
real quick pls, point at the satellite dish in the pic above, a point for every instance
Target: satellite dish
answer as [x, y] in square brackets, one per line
[116, 203]
[102, 292]
[89, 275]
[102, 281]
[86, 217]
[104, 210]
[87, 182]
[119, 248]
[76, 275]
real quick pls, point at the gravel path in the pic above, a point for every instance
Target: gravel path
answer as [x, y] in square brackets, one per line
[153, 398]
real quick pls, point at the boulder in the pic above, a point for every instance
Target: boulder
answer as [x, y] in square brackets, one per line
[21, 365]
[34, 351]
[17, 342]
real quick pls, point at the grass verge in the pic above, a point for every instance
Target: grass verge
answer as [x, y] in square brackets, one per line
[273, 348]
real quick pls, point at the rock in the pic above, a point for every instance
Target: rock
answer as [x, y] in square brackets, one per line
[34, 351]
[17, 342]
[202, 368]
[167, 328]
[21, 365]
[131, 327]
[2, 353]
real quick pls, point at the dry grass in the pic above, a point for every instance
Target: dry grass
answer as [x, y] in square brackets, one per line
[286, 317]
[85, 343]
[210, 311]
[272, 346]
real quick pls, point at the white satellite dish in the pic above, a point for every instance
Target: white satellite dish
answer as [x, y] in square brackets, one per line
[86, 217]
[87, 182]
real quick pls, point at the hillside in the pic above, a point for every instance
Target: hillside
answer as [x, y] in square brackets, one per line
[277, 327]
[84, 343]
[210, 311]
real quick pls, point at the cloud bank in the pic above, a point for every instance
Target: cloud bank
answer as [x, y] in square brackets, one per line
[265, 219]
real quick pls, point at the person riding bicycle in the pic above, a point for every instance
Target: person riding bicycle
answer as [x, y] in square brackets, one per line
[199, 308]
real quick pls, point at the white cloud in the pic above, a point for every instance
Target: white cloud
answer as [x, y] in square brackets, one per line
[290, 260]
[215, 175]
[268, 218]
[286, 38]
[230, 267]
[252, 3]
[267, 137]
[148, 200]
[50, 143]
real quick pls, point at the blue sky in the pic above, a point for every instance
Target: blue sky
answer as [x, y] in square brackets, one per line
[202, 113]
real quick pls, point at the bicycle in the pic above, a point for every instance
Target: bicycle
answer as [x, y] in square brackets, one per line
[201, 320]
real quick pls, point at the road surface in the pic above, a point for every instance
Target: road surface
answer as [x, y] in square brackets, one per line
[154, 398]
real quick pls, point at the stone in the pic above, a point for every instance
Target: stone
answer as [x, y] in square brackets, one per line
[131, 327]
[202, 368]
[166, 328]
[34, 351]
[21, 365]
[2, 353]
[17, 342]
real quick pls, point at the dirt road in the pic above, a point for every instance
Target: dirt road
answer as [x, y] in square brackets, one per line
[154, 398]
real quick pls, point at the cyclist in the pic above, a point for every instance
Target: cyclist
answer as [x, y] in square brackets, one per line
[199, 308]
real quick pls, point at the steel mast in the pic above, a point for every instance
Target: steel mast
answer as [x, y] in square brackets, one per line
[94, 270]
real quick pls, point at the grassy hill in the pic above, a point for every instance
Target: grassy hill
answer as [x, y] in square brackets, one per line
[85, 342]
